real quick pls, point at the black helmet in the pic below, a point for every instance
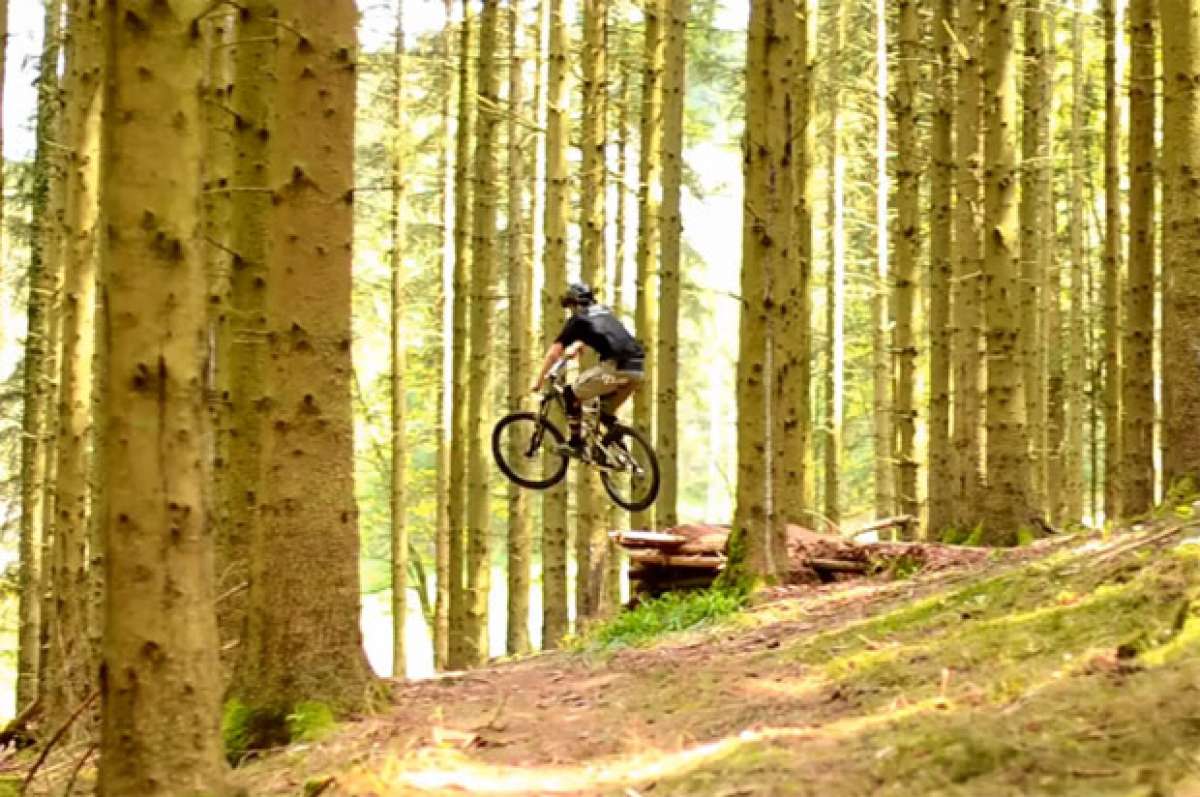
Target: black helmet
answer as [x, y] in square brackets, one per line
[579, 294]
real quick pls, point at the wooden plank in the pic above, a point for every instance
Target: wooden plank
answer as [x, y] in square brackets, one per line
[702, 562]
[646, 539]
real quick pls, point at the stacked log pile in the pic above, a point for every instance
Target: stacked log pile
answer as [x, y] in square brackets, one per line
[692, 556]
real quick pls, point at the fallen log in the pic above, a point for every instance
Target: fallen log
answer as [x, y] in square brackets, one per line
[901, 521]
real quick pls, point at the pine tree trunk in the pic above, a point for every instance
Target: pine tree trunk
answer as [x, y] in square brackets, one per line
[674, 88]
[253, 103]
[1137, 474]
[555, 617]
[1112, 270]
[441, 621]
[159, 678]
[483, 322]
[308, 647]
[907, 253]
[592, 547]
[37, 404]
[1035, 152]
[459, 431]
[649, 222]
[967, 292]
[520, 340]
[399, 530]
[1181, 237]
[759, 545]
[835, 302]
[1050, 348]
[790, 406]
[70, 663]
[885, 499]
[1007, 449]
[1075, 368]
[220, 33]
[941, 271]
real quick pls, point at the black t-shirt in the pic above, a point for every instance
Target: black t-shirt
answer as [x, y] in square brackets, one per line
[599, 329]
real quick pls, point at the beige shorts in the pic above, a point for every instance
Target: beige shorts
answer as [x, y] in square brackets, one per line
[606, 383]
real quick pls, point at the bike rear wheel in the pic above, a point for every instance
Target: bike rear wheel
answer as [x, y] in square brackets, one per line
[632, 478]
[527, 449]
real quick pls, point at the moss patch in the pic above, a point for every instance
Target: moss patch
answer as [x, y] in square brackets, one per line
[671, 613]
[246, 731]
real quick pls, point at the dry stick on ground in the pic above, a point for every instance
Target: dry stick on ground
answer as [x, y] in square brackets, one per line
[57, 736]
[1151, 540]
[78, 767]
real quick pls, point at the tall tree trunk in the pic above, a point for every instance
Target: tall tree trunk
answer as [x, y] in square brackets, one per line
[649, 222]
[907, 253]
[1181, 238]
[459, 431]
[591, 543]
[1075, 369]
[441, 622]
[790, 405]
[37, 401]
[835, 301]
[555, 616]
[309, 646]
[674, 89]
[71, 664]
[520, 340]
[1050, 347]
[1035, 153]
[759, 548]
[885, 498]
[967, 298]
[1007, 449]
[1137, 443]
[941, 272]
[483, 322]
[399, 177]
[1112, 270]
[159, 678]
[253, 103]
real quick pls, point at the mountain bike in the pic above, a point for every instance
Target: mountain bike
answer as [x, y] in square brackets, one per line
[531, 449]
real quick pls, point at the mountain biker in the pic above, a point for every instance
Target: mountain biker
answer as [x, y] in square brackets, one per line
[622, 361]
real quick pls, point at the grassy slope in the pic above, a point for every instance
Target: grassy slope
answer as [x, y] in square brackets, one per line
[1065, 676]
[1077, 672]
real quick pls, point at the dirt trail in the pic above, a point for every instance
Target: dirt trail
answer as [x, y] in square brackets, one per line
[609, 723]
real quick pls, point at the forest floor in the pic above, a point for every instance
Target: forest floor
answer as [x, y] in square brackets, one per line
[1068, 667]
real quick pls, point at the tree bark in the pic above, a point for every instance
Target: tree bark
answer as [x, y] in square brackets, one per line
[71, 663]
[907, 253]
[1181, 238]
[941, 272]
[520, 341]
[253, 102]
[459, 431]
[1137, 475]
[1007, 449]
[967, 298]
[759, 549]
[674, 91]
[307, 647]
[885, 496]
[1075, 368]
[835, 302]
[649, 223]
[591, 542]
[159, 677]
[1112, 270]
[555, 616]
[483, 322]
[1035, 153]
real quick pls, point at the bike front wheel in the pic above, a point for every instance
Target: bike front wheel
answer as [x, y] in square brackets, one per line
[632, 478]
[528, 450]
